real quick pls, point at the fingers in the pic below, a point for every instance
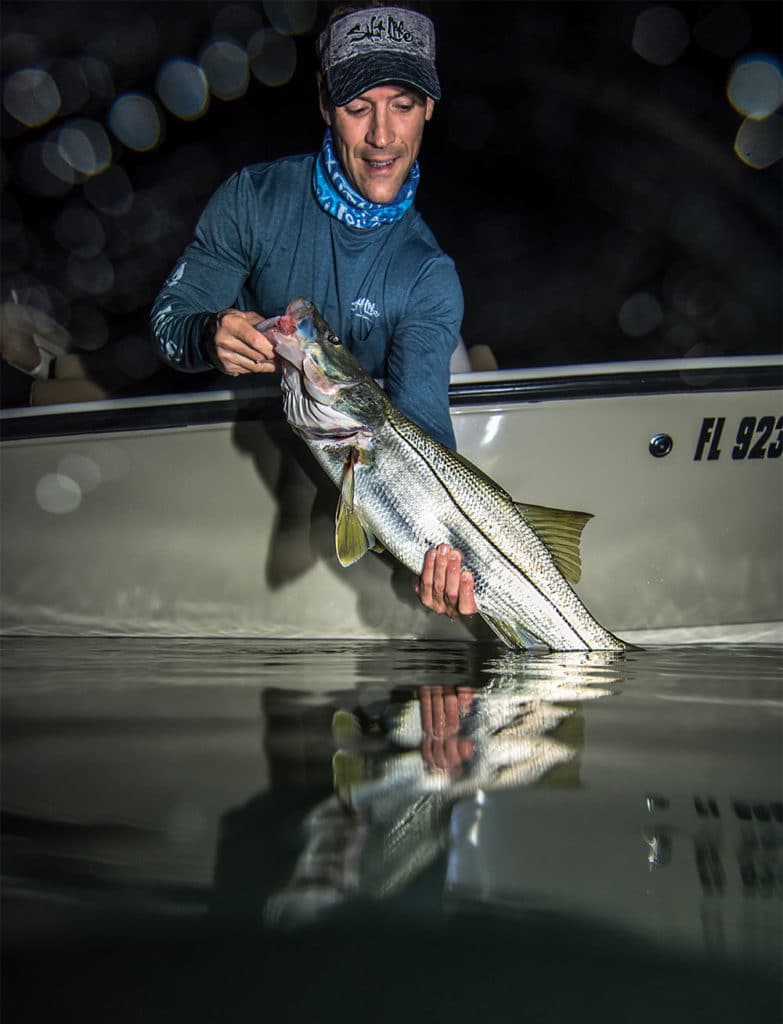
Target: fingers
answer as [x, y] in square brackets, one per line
[239, 348]
[444, 586]
[424, 585]
[442, 746]
[466, 600]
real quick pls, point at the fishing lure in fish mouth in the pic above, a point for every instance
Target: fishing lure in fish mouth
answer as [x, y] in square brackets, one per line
[403, 490]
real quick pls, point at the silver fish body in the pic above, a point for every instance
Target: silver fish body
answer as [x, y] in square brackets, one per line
[404, 489]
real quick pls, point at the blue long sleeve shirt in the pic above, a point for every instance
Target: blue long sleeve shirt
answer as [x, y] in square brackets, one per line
[390, 293]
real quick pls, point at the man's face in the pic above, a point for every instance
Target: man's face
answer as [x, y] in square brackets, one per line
[377, 137]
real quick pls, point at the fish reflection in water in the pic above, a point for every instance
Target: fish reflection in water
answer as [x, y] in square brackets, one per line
[398, 773]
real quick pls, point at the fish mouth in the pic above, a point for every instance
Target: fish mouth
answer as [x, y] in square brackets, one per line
[309, 394]
[282, 332]
[295, 336]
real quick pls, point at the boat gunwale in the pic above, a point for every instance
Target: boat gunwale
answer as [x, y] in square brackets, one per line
[490, 388]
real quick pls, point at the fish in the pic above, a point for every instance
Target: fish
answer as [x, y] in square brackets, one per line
[403, 491]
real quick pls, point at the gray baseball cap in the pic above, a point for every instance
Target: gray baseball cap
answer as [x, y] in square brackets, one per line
[375, 45]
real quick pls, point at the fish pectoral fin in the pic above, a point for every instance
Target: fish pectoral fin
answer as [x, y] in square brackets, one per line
[347, 773]
[561, 531]
[351, 537]
[378, 548]
[345, 726]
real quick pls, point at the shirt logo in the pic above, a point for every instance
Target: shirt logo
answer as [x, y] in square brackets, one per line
[365, 309]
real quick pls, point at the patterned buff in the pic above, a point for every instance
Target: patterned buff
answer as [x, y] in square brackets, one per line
[340, 199]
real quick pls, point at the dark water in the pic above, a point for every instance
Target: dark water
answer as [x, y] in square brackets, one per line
[218, 830]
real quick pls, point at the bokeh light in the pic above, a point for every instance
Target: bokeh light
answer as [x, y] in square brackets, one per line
[72, 85]
[291, 17]
[183, 89]
[693, 293]
[58, 494]
[755, 86]
[93, 276]
[632, 150]
[85, 146]
[31, 96]
[82, 470]
[759, 144]
[19, 50]
[135, 121]
[272, 57]
[42, 170]
[238, 22]
[225, 65]
[88, 326]
[640, 314]
[660, 35]
[21, 245]
[77, 229]
[111, 192]
[99, 81]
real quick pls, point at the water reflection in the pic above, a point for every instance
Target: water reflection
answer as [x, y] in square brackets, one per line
[400, 768]
[305, 806]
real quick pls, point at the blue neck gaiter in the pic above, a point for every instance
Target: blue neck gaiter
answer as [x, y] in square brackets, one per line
[339, 198]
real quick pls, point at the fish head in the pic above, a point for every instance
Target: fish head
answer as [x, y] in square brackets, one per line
[326, 391]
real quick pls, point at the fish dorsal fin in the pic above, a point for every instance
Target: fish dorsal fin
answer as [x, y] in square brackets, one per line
[351, 537]
[561, 531]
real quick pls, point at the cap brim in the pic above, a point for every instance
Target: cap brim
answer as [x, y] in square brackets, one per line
[350, 79]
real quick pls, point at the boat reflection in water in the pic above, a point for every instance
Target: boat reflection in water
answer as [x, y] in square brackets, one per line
[398, 776]
[636, 791]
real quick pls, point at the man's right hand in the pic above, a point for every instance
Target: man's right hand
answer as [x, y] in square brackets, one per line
[444, 586]
[234, 346]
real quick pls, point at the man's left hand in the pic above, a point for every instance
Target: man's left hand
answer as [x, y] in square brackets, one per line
[444, 586]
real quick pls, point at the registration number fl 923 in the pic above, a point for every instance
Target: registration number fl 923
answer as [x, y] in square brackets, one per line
[755, 437]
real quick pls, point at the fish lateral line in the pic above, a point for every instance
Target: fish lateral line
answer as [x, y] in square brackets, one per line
[504, 629]
[519, 508]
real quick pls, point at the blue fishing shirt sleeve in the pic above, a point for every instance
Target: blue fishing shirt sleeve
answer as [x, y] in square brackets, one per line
[389, 292]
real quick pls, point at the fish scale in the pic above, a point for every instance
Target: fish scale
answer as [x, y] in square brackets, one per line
[403, 488]
[497, 545]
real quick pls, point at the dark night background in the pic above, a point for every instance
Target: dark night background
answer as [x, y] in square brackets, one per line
[581, 169]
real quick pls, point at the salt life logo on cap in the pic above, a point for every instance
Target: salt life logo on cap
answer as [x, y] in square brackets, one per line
[379, 44]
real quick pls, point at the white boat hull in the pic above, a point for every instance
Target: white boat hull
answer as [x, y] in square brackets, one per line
[225, 528]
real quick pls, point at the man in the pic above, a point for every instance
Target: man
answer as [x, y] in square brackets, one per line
[338, 227]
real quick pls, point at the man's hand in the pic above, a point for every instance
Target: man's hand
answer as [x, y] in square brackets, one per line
[444, 586]
[441, 710]
[26, 333]
[235, 346]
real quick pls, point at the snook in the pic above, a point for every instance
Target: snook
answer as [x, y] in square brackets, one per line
[402, 490]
